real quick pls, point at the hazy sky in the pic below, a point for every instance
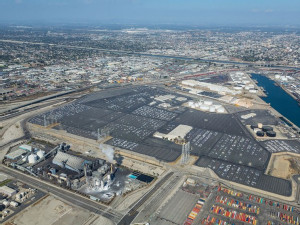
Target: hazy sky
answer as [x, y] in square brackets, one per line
[195, 12]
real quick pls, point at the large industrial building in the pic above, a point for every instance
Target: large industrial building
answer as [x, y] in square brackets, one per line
[70, 162]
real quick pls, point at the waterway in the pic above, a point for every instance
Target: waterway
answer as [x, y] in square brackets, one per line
[279, 99]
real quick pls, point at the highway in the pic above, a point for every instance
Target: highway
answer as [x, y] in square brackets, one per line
[132, 213]
[150, 55]
[69, 196]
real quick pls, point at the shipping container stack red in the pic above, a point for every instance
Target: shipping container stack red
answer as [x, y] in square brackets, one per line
[238, 204]
[193, 214]
[210, 220]
[230, 192]
[234, 214]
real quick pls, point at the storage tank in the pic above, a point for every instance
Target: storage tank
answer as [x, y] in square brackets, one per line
[208, 103]
[212, 108]
[40, 154]
[260, 125]
[32, 158]
[204, 107]
[221, 110]
[267, 128]
[260, 133]
[271, 133]
[237, 88]
[253, 127]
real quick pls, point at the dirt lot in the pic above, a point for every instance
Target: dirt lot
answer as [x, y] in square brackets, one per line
[51, 211]
[284, 165]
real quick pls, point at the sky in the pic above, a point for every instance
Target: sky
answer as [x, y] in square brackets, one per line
[192, 12]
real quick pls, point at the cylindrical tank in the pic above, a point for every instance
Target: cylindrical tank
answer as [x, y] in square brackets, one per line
[212, 108]
[221, 110]
[238, 88]
[259, 125]
[271, 133]
[204, 107]
[208, 103]
[267, 128]
[40, 154]
[32, 158]
[253, 127]
[260, 133]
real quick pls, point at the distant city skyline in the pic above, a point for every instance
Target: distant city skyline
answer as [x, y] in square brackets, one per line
[193, 12]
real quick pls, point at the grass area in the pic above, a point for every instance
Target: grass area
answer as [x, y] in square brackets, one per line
[3, 183]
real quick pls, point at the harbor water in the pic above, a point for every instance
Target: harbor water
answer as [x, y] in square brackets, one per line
[279, 99]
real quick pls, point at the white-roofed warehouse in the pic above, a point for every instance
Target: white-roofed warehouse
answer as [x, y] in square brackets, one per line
[68, 161]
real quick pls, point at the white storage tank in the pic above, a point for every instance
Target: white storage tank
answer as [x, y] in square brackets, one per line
[190, 104]
[208, 103]
[204, 107]
[221, 110]
[32, 158]
[212, 108]
[40, 154]
[237, 88]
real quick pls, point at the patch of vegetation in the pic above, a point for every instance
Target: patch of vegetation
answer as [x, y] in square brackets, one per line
[3, 183]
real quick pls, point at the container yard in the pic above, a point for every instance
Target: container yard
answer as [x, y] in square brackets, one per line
[202, 203]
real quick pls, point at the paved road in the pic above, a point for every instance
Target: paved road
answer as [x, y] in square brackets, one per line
[132, 213]
[64, 194]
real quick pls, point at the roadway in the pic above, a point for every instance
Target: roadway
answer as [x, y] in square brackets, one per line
[132, 213]
[64, 194]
